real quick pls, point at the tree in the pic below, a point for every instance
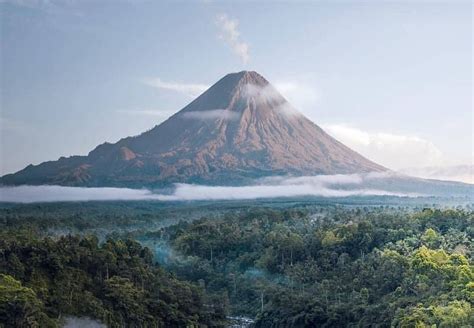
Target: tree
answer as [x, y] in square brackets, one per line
[19, 306]
[430, 238]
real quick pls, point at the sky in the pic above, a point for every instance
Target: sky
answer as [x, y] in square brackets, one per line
[392, 80]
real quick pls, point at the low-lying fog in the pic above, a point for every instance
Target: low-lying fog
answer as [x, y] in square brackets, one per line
[322, 186]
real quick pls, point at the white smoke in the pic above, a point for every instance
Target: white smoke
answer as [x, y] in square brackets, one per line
[321, 186]
[230, 34]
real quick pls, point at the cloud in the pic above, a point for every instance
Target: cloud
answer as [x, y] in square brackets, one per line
[461, 173]
[302, 96]
[29, 194]
[394, 151]
[189, 89]
[268, 94]
[230, 34]
[261, 93]
[211, 114]
[197, 192]
[321, 186]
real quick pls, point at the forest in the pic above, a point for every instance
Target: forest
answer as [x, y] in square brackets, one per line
[285, 265]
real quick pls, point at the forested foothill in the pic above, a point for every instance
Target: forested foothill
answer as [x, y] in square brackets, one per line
[280, 264]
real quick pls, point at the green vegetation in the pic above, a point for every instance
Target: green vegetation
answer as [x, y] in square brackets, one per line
[114, 282]
[294, 265]
[354, 267]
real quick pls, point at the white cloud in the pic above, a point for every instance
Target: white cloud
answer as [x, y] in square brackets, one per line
[394, 151]
[28, 194]
[195, 192]
[321, 186]
[189, 89]
[262, 94]
[211, 114]
[302, 96]
[268, 94]
[230, 34]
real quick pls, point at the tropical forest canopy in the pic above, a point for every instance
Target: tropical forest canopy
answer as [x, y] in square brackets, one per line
[304, 264]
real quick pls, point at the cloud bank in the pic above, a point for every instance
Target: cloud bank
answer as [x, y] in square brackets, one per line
[306, 186]
[189, 89]
[31, 194]
[321, 186]
[229, 33]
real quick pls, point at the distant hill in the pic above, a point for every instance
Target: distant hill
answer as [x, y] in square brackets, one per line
[239, 129]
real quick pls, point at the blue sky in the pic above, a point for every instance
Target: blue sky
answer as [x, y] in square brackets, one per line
[392, 80]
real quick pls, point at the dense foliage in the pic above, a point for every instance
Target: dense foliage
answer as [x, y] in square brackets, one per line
[313, 265]
[115, 282]
[354, 267]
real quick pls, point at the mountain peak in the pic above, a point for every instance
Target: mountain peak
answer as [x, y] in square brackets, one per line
[239, 129]
[224, 92]
[243, 73]
[247, 77]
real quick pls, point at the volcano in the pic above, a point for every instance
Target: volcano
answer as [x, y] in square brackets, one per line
[240, 129]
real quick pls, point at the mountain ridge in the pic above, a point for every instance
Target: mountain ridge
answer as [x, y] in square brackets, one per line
[239, 129]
